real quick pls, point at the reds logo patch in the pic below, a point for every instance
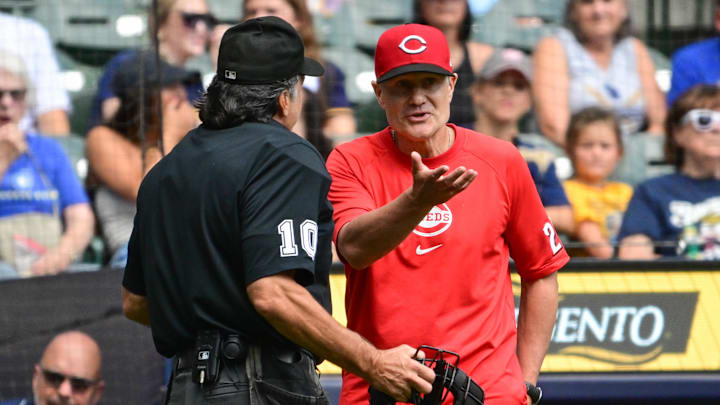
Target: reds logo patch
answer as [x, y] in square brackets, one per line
[404, 44]
[437, 221]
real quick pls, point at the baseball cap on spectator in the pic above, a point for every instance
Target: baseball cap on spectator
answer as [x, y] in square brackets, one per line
[503, 60]
[145, 69]
[411, 48]
[263, 50]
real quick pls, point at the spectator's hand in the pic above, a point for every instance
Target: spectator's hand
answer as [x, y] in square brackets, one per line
[433, 187]
[12, 142]
[179, 117]
[52, 262]
[397, 373]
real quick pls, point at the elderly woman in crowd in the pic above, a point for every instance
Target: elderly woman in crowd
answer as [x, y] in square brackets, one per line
[184, 28]
[147, 125]
[679, 214]
[595, 62]
[39, 190]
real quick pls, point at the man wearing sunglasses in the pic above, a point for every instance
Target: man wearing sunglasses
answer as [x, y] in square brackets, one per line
[68, 372]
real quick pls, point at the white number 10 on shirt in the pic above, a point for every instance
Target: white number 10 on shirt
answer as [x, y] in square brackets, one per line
[308, 238]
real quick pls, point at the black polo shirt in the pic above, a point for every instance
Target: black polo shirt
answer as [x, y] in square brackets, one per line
[223, 209]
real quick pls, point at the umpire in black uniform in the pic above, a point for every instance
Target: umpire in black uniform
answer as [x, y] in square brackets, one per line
[230, 254]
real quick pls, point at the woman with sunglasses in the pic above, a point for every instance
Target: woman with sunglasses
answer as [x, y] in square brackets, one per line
[45, 217]
[184, 28]
[679, 214]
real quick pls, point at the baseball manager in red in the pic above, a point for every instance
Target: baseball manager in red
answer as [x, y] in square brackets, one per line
[427, 216]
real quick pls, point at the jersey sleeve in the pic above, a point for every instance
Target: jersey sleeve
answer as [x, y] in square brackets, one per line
[534, 243]
[349, 197]
[280, 211]
[134, 277]
[642, 216]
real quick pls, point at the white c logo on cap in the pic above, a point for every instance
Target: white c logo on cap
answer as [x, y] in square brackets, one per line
[420, 39]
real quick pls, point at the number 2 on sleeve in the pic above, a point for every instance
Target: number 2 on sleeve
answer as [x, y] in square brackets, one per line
[554, 240]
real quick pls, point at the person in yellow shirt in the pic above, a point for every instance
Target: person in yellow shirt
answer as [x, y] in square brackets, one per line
[594, 145]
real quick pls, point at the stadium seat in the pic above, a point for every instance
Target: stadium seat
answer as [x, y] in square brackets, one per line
[94, 24]
[74, 146]
[518, 23]
[372, 17]
[336, 30]
[644, 158]
[227, 11]
[359, 70]
[81, 82]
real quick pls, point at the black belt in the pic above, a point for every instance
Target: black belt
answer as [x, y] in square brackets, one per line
[233, 348]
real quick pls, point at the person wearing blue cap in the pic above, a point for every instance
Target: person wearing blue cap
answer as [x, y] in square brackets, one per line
[230, 254]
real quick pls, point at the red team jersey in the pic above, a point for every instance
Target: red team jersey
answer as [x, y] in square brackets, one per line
[448, 283]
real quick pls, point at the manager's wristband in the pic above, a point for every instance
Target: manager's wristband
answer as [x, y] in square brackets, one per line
[535, 393]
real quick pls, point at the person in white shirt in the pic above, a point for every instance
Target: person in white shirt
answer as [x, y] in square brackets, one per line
[30, 40]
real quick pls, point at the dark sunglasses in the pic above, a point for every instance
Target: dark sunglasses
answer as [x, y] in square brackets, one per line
[78, 385]
[17, 95]
[191, 20]
[703, 120]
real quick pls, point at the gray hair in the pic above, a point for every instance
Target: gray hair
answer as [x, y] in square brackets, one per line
[15, 65]
[226, 105]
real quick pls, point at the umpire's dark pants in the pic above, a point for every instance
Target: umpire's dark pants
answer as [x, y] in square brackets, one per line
[265, 376]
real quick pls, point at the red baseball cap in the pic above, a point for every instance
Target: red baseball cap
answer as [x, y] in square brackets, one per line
[411, 48]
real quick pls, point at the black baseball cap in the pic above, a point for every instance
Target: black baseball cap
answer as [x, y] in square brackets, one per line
[263, 50]
[144, 67]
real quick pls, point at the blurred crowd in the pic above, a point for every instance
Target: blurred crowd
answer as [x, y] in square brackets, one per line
[583, 106]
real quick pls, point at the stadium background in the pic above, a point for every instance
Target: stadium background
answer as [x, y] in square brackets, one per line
[680, 365]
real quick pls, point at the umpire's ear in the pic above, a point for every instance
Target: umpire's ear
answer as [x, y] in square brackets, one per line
[288, 110]
[284, 101]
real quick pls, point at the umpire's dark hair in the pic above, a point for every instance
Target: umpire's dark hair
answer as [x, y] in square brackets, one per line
[624, 30]
[226, 105]
[465, 27]
[699, 96]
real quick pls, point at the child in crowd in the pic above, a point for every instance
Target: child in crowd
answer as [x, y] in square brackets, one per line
[594, 145]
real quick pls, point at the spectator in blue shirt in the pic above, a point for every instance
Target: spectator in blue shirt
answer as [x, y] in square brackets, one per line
[38, 189]
[679, 214]
[696, 63]
[502, 97]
